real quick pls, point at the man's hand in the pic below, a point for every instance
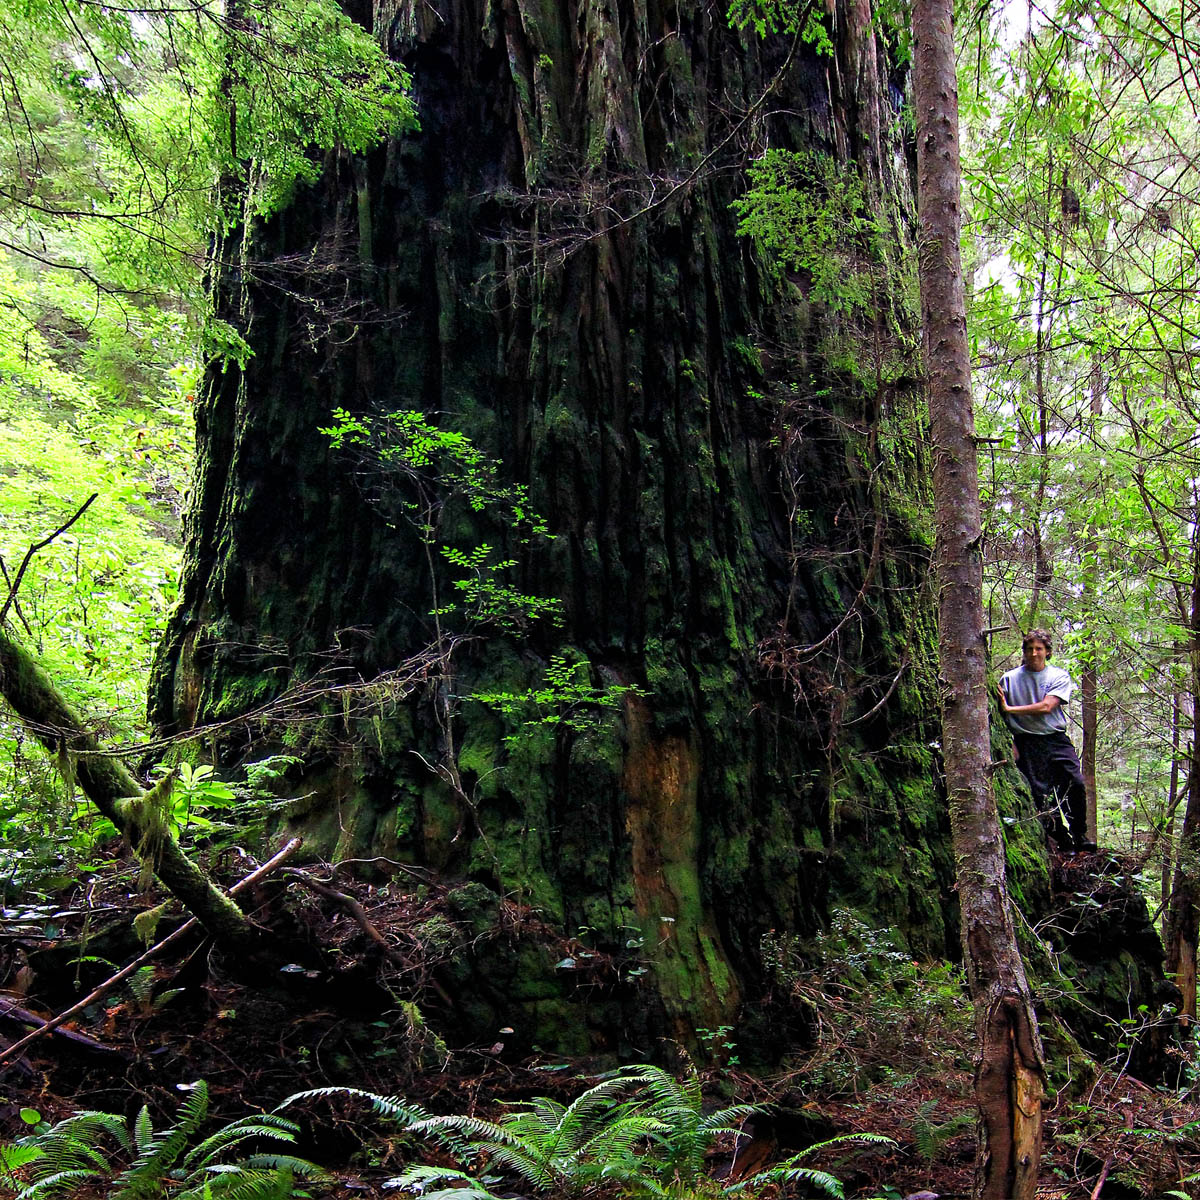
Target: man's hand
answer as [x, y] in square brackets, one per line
[1003, 698]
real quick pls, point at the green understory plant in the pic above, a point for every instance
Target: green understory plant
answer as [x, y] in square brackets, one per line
[132, 1161]
[440, 484]
[642, 1130]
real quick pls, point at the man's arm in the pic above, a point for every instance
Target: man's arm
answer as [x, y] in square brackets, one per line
[1047, 704]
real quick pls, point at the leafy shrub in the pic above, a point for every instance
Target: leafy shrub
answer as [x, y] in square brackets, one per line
[879, 1015]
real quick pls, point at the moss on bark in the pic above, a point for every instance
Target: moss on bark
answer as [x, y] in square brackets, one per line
[554, 271]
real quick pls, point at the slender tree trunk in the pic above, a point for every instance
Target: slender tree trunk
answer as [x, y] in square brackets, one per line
[106, 783]
[1009, 1074]
[1183, 918]
[1167, 826]
[1090, 676]
[1043, 573]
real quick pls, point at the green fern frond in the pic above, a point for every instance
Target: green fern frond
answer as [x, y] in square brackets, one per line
[474, 1127]
[90, 1126]
[542, 1111]
[842, 1139]
[261, 1125]
[726, 1120]
[194, 1108]
[395, 1107]
[787, 1174]
[301, 1167]
[72, 1150]
[790, 1172]
[60, 1183]
[616, 1141]
[633, 1176]
[237, 1182]
[157, 1153]
[924, 1135]
[531, 1167]
[143, 1129]
[420, 1178]
[13, 1156]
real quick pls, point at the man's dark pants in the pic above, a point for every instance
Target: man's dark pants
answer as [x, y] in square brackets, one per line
[1048, 761]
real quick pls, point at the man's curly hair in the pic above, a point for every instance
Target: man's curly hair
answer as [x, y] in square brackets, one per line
[1038, 635]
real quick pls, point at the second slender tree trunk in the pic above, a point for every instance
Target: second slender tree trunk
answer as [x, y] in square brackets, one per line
[1009, 1072]
[1182, 931]
[1090, 676]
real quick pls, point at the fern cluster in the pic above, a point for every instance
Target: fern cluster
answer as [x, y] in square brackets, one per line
[642, 1130]
[136, 1162]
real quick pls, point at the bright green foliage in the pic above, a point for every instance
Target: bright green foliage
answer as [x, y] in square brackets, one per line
[86, 406]
[122, 121]
[567, 697]
[416, 472]
[136, 1162]
[783, 16]
[413, 469]
[881, 1017]
[808, 213]
[133, 135]
[1083, 168]
[642, 1130]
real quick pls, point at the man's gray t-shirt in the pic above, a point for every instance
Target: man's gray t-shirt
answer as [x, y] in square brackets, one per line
[1023, 686]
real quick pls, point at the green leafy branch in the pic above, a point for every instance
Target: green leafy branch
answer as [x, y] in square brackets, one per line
[566, 699]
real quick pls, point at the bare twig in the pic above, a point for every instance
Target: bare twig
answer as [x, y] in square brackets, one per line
[13, 595]
[10, 600]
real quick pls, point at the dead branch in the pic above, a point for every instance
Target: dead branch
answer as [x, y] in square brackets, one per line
[125, 972]
[11, 1010]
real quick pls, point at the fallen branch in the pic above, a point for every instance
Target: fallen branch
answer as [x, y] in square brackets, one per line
[359, 914]
[125, 972]
[1108, 1162]
[10, 1010]
[109, 785]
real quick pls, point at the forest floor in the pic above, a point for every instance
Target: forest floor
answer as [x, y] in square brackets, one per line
[891, 1064]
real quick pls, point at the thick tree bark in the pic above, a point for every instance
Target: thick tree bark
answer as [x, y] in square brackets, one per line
[1009, 1075]
[106, 783]
[551, 266]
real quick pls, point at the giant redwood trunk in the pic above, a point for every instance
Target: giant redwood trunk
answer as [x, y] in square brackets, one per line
[551, 266]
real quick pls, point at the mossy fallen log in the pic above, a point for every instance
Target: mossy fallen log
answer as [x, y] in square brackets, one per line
[110, 787]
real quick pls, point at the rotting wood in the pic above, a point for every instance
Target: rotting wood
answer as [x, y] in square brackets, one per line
[125, 972]
[10, 1010]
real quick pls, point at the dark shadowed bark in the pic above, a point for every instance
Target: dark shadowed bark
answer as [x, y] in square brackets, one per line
[551, 266]
[1009, 1072]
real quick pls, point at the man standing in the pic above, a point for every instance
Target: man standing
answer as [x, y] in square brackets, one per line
[1034, 700]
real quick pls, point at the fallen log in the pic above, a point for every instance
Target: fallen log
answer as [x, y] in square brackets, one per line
[10, 1010]
[110, 786]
